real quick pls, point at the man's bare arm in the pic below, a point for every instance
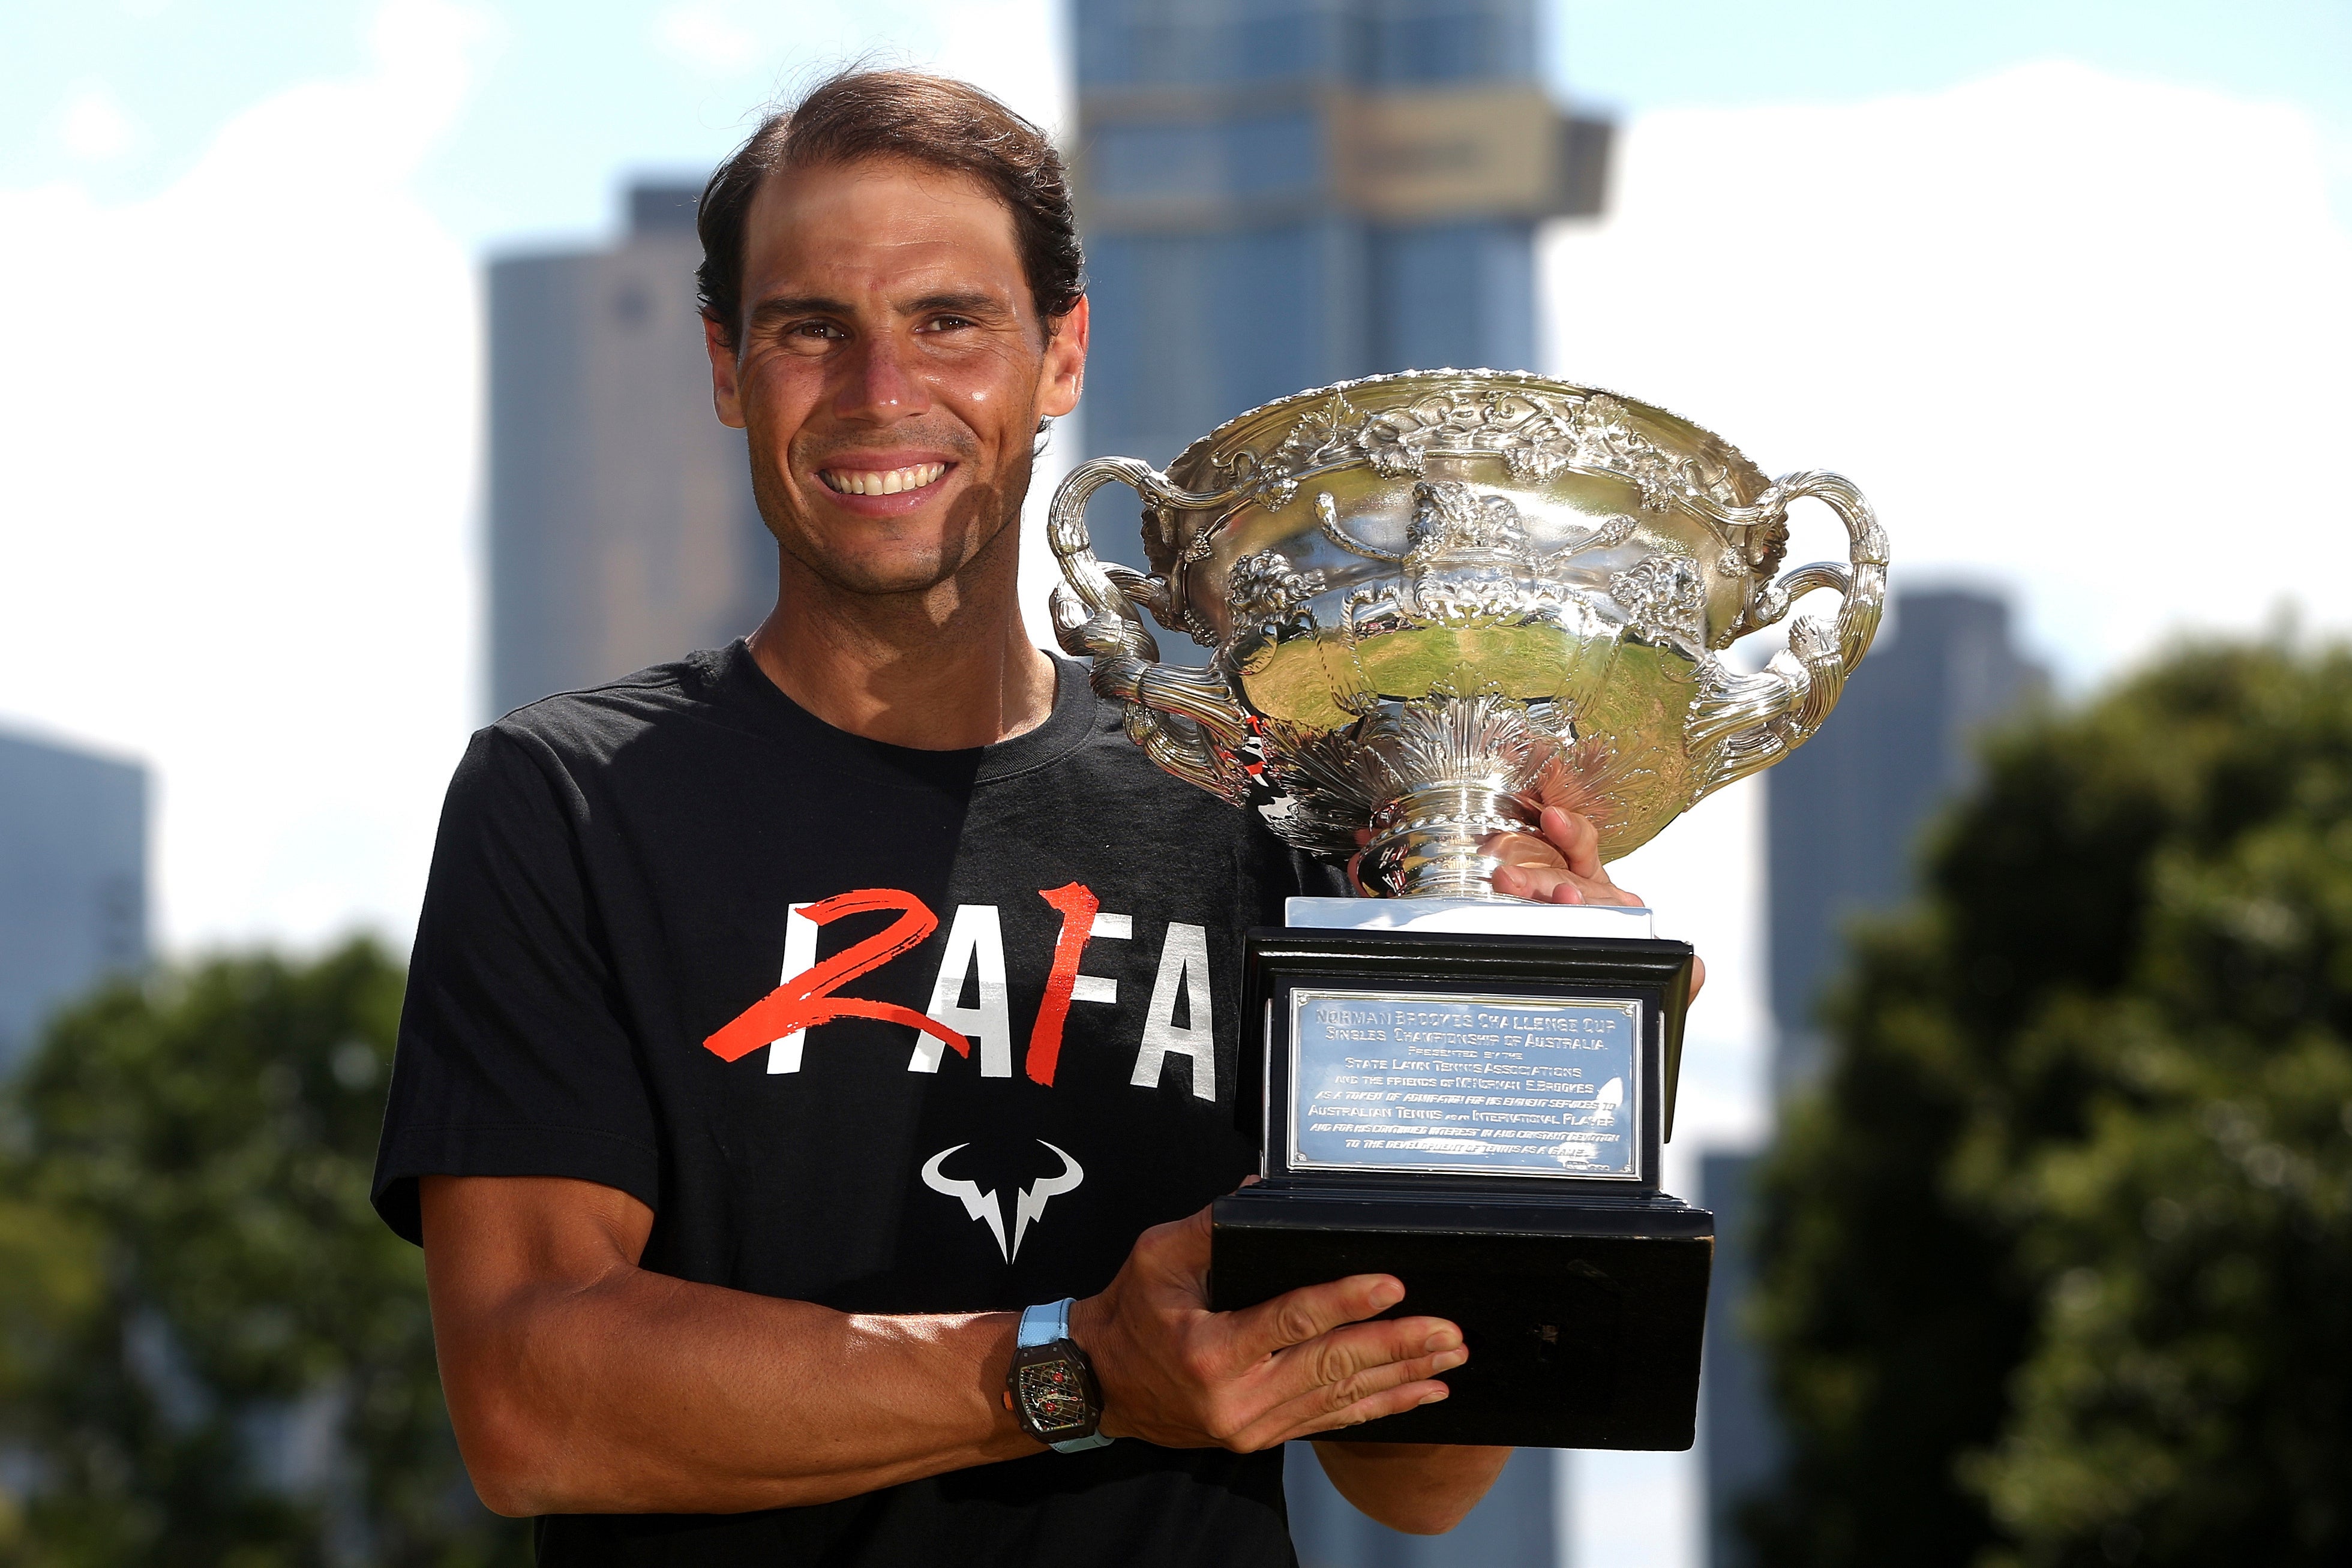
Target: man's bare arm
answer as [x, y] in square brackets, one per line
[580, 1383]
[1421, 1489]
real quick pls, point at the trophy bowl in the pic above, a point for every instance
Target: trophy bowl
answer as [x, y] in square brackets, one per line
[1438, 601]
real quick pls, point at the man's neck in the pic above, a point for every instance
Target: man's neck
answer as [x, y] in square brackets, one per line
[945, 670]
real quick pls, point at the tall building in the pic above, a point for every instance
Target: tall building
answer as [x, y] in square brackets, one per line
[622, 530]
[1844, 813]
[73, 879]
[1280, 194]
[1843, 819]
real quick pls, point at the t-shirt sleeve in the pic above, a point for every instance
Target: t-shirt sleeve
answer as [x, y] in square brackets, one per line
[513, 1056]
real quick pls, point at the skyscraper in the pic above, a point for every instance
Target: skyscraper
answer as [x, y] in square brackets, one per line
[622, 530]
[1279, 193]
[1843, 817]
[1844, 813]
[73, 879]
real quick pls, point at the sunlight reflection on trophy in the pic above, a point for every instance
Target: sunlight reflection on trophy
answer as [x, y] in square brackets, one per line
[1436, 604]
[1441, 600]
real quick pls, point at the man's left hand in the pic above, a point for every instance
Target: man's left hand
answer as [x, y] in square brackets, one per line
[1576, 876]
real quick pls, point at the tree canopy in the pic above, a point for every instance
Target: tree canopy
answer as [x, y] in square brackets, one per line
[211, 1350]
[2058, 1257]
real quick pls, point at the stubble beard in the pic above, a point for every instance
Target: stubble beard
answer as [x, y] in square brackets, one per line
[986, 520]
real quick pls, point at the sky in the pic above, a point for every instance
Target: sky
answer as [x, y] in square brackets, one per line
[2062, 287]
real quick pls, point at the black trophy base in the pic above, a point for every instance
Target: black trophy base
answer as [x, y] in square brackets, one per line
[1582, 1318]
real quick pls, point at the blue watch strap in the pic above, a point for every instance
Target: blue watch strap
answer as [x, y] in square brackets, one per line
[1045, 1325]
[1041, 1326]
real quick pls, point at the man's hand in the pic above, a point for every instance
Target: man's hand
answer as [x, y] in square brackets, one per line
[1175, 1374]
[1578, 877]
[1562, 866]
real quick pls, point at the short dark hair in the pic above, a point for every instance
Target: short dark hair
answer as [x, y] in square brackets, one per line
[937, 121]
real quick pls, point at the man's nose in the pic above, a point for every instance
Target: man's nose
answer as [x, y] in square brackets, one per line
[879, 385]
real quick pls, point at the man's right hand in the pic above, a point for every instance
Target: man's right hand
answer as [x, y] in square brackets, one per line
[1175, 1374]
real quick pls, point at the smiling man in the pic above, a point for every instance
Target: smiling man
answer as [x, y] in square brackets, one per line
[818, 1052]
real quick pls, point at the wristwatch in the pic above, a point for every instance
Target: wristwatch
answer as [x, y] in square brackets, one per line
[1051, 1388]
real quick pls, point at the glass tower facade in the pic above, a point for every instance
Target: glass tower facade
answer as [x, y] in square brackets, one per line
[622, 528]
[1281, 194]
[73, 879]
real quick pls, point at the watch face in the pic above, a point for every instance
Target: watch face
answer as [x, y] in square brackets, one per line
[1051, 1392]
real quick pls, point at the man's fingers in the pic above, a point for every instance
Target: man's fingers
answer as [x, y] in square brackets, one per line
[1372, 1408]
[1581, 880]
[1362, 1395]
[1549, 884]
[1575, 836]
[1359, 1350]
[1311, 1312]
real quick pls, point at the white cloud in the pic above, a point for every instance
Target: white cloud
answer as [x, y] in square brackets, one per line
[704, 35]
[2078, 338]
[1012, 48]
[94, 126]
[239, 427]
[2081, 334]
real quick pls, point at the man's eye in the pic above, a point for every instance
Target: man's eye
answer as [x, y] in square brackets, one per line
[815, 332]
[950, 323]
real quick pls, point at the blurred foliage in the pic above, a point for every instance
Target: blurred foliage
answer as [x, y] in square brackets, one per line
[2060, 1255]
[212, 1352]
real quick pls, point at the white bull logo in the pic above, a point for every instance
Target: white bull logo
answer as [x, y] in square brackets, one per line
[982, 1206]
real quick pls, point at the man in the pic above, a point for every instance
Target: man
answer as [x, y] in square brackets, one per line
[784, 1021]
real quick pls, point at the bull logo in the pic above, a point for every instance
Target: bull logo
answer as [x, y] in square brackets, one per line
[1030, 1205]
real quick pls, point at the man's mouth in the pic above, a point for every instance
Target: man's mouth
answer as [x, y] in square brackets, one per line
[880, 481]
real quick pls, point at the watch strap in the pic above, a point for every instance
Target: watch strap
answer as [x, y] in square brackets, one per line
[1045, 1324]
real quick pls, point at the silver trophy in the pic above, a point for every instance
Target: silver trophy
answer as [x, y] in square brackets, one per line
[1436, 604]
[1438, 601]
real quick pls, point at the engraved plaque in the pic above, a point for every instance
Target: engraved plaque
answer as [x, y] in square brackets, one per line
[1468, 1085]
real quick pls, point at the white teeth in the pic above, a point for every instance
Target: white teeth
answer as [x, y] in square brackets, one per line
[882, 482]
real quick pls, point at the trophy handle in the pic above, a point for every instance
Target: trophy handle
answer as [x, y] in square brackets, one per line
[1740, 724]
[1186, 720]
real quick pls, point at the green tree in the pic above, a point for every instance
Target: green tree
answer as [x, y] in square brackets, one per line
[2061, 1252]
[210, 1346]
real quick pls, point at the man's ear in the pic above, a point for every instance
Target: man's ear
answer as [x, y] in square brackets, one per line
[1065, 371]
[725, 388]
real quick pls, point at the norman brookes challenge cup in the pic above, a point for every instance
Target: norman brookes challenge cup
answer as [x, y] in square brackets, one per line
[1436, 603]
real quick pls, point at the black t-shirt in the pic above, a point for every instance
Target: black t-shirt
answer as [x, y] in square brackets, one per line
[885, 1029]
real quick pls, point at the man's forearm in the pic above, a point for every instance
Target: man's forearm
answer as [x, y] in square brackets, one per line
[1421, 1489]
[619, 1390]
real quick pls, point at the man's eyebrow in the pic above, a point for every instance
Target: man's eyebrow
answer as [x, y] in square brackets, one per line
[798, 305]
[968, 304]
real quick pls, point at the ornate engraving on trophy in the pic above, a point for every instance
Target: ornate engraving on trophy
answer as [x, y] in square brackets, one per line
[1440, 601]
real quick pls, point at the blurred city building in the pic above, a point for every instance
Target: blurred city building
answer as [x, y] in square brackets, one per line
[1843, 817]
[1513, 1528]
[1279, 193]
[621, 530]
[73, 879]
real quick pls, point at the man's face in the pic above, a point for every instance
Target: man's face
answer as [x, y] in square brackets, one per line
[892, 369]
